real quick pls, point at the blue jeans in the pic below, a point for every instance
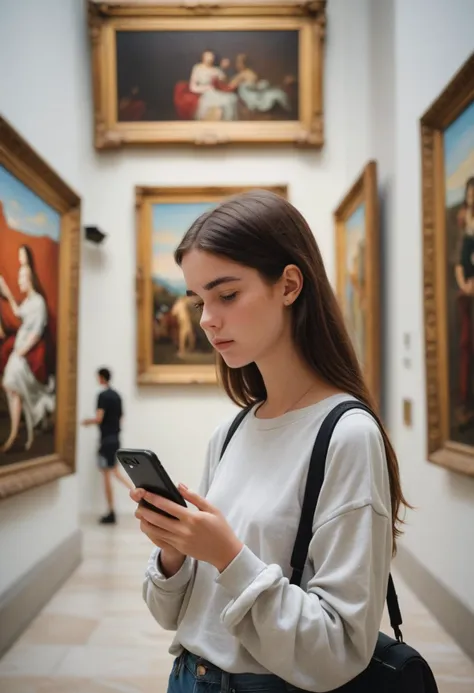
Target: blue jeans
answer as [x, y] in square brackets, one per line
[192, 674]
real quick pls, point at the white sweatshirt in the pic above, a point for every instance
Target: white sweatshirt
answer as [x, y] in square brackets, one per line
[249, 618]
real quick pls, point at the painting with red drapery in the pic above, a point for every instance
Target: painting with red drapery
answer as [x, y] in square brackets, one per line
[29, 273]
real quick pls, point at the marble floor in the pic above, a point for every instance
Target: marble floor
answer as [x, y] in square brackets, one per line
[96, 635]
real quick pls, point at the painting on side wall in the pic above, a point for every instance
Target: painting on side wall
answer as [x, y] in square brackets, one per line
[357, 257]
[39, 256]
[171, 346]
[208, 75]
[447, 136]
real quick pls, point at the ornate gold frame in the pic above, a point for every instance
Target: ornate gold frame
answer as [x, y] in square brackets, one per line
[149, 373]
[307, 16]
[364, 190]
[453, 100]
[23, 162]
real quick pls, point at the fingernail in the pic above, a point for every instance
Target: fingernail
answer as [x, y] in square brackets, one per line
[183, 486]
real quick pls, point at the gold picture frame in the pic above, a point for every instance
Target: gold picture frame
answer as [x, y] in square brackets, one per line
[357, 233]
[20, 164]
[447, 152]
[171, 347]
[128, 109]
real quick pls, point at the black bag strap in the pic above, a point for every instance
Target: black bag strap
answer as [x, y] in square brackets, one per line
[233, 427]
[313, 487]
[314, 484]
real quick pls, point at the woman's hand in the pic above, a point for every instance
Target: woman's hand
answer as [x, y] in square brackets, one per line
[136, 495]
[204, 535]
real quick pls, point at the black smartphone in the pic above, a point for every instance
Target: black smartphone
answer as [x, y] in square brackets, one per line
[146, 471]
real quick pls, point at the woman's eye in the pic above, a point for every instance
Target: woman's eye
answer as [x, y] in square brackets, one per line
[229, 297]
[199, 306]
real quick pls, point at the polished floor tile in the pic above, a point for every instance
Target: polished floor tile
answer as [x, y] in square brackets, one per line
[97, 636]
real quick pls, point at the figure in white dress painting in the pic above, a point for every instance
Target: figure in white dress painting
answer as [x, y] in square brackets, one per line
[223, 76]
[28, 317]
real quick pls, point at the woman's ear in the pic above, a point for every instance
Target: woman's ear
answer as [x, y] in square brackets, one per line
[292, 284]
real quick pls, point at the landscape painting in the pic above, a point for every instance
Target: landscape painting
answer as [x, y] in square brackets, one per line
[459, 206]
[29, 272]
[177, 336]
[355, 285]
[171, 346]
[209, 75]
[447, 155]
[356, 221]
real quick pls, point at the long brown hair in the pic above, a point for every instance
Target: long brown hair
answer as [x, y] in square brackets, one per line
[260, 229]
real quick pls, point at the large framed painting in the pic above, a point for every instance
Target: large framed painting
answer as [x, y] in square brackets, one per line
[171, 346]
[39, 269]
[447, 137]
[208, 73]
[356, 221]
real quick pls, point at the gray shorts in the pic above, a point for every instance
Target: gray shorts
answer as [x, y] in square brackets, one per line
[106, 455]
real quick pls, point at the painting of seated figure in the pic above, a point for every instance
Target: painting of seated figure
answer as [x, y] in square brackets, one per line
[39, 264]
[447, 147]
[165, 72]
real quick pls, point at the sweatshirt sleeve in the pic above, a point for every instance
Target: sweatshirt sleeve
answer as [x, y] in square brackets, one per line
[319, 638]
[165, 596]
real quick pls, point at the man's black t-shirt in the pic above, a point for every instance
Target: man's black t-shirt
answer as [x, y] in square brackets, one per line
[110, 401]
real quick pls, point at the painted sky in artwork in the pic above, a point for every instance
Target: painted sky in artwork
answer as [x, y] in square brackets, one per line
[355, 227]
[25, 211]
[459, 155]
[170, 223]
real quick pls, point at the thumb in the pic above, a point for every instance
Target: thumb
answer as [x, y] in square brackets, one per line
[194, 498]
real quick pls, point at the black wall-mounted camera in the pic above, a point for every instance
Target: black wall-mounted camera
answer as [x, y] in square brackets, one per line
[94, 234]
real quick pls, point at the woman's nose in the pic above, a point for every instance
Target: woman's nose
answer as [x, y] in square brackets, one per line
[208, 320]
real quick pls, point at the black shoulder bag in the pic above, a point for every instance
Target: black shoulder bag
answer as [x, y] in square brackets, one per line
[395, 666]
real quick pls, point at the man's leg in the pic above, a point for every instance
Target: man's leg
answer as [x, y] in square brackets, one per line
[110, 517]
[109, 494]
[122, 478]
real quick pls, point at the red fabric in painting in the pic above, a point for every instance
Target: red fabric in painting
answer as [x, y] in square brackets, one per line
[185, 101]
[46, 255]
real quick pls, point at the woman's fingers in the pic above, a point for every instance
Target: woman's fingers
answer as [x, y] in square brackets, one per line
[156, 536]
[136, 494]
[156, 519]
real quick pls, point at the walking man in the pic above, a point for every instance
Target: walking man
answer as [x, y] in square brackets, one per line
[108, 417]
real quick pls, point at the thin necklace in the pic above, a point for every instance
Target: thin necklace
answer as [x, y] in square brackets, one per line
[297, 401]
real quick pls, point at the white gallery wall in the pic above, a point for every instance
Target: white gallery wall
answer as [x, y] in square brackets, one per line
[432, 40]
[385, 62]
[177, 421]
[44, 93]
[47, 96]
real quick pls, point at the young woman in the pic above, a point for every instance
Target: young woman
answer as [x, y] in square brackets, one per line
[219, 577]
[24, 374]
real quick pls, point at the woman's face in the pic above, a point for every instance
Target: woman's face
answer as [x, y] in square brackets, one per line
[22, 256]
[208, 58]
[238, 308]
[24, 279]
